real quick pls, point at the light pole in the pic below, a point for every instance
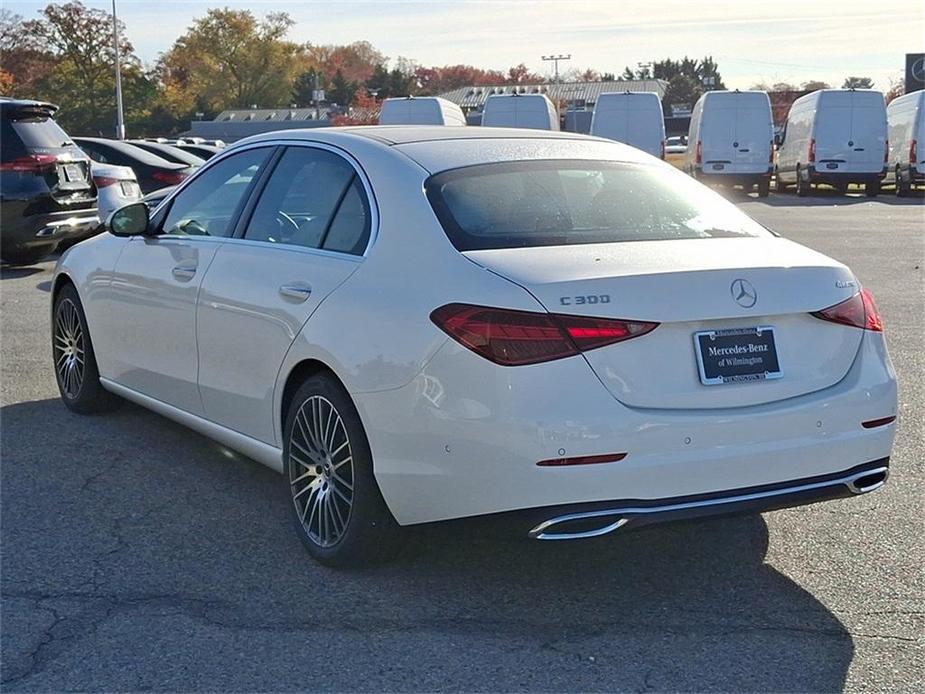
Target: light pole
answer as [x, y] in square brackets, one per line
[555, 61]
[120, 119]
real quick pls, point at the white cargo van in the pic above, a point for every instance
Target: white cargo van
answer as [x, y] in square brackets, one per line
[634, 118]
[906, 119]
[420, 110]
[834, 136]
[730, 140]
[520, 111]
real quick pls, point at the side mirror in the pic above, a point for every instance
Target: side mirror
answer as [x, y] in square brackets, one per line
[131, 220]
[778, 140]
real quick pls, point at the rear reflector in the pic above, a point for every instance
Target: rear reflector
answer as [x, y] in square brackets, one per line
[859, 311]
[515, 338]
[31, 163]
[583, 460]
[874, 423]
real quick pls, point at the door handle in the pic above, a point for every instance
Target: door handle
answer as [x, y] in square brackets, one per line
[185, 271]
[296, 290]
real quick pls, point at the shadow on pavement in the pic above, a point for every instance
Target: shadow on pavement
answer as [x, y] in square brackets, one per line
[156, 547]
[12, 272]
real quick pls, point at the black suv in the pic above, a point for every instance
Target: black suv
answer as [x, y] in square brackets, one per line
[46, 192]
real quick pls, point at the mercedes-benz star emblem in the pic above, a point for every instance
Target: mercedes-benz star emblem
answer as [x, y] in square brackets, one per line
[743, 293]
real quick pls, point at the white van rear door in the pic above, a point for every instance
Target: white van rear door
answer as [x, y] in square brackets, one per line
[753, 137]
[833, 131]
[867, 143]
[717, 133]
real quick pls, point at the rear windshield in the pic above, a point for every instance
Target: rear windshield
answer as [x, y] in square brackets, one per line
[41, 132]
[558, 203]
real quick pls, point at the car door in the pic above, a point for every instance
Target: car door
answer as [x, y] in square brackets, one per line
[156, 282]
[307, 234]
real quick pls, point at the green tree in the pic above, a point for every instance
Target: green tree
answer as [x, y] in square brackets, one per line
[608, 77]
[628, 73]
[342, 90]
[813, 85]
[858, 83]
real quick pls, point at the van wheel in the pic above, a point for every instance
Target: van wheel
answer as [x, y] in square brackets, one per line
[338, 510]
[872, 189]
[903, 189]
[764, 187]
[803, 185]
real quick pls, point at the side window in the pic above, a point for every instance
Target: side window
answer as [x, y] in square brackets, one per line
[206, 207]
[313, 200]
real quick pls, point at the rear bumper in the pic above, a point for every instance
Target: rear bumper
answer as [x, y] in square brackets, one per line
[594, 520]
[464, 438]
[844, 177]
[732, 177]
[48, 229]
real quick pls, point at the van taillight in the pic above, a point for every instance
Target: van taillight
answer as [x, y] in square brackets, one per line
[859, 311]
[886, 152]
[913, 152]
[663, 149]
[31, 163]
[771, 153]
[699, 159]
[812, 150]
[515, 338]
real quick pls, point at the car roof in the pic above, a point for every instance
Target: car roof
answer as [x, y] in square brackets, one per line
[137, 153]
[439, 147]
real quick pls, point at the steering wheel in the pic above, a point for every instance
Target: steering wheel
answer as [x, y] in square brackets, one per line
[286, 221]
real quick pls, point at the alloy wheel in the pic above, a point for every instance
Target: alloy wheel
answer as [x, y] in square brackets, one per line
[69, 348]
[321, 474]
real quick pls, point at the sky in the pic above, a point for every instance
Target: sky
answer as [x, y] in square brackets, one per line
[753, 41]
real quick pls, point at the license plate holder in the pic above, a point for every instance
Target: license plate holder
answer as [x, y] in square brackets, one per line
[737, 355]
[719, 167]
[73, 173]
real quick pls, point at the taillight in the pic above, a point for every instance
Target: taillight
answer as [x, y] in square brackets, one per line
[812, 150]
[169, 178]
[699, 155]
[771, 153]
[104, 181]
[886, 152]
[515, 338]
[913, 152]
[859, 311]
[31, 163]
[663, 149]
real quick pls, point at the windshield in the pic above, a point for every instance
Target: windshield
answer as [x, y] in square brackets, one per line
[552, 203]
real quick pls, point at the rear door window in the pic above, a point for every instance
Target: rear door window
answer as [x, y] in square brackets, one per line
[312, 199]
[559, 203]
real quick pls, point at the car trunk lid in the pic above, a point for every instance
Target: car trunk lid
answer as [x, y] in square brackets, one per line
[688, 286]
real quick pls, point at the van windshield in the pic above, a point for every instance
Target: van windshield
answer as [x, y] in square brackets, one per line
[553, 203]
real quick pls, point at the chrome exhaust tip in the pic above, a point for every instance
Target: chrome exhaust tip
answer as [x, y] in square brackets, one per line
[868, 481]
[542, 531]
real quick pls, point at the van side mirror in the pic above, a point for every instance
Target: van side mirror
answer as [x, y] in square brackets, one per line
[131, 220]
[778, 139]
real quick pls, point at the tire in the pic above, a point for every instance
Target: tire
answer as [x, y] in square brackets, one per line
[74, 361]
[803, 186]
[27, 256]
[764, 187]
[872, 189]
[337, 508]
[903, 189]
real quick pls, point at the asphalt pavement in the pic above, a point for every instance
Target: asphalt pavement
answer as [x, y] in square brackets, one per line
[137, 555]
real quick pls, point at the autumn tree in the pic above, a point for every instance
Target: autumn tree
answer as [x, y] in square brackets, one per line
[23, 62]
[230, 58]
[73, 45]
[356, 61]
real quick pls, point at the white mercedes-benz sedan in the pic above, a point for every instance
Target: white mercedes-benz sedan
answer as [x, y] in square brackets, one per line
[417, 324]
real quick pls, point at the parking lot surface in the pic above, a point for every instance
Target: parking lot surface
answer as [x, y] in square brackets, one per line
[139, 555]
